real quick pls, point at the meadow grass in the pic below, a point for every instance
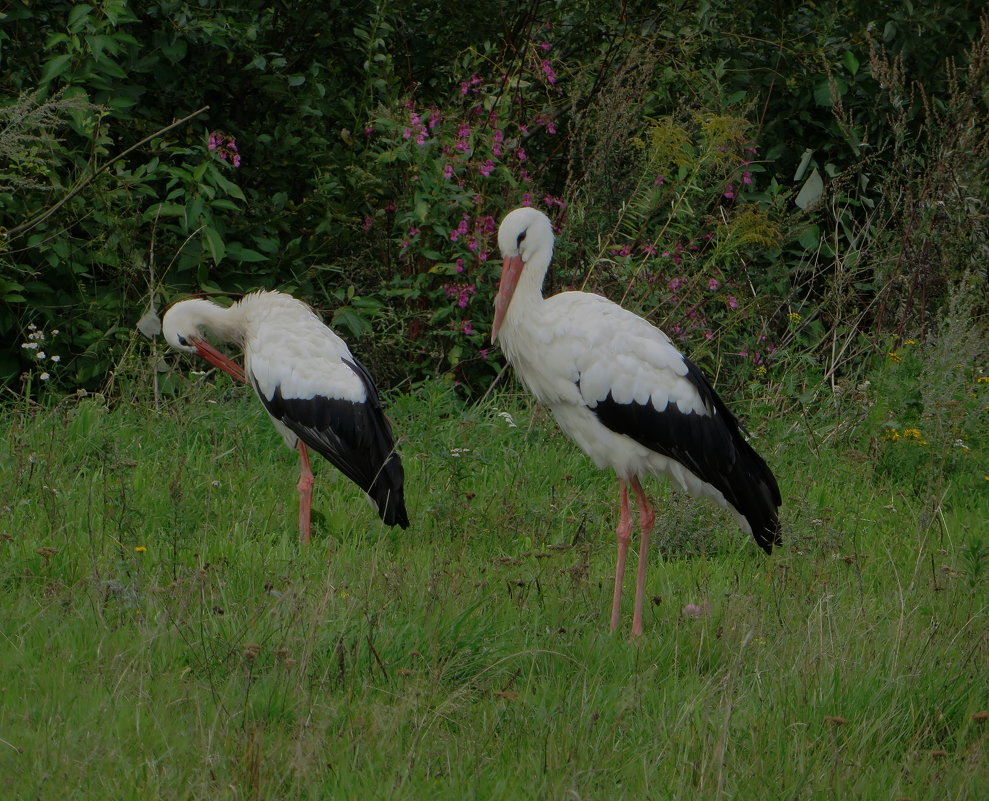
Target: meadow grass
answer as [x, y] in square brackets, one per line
[165, 636]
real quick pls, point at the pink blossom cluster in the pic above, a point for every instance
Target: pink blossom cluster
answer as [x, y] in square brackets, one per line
[471, 83]
[461, 293]
[224, 146]
[416, 128]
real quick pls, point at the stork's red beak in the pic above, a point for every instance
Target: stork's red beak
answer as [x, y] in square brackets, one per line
[510, 271]
[217, 359]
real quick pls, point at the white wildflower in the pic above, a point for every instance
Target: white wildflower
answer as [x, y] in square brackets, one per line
[456, 453]
[29, 345]
[41, 354]
[508, 419]
[56, 358]
[44, 376]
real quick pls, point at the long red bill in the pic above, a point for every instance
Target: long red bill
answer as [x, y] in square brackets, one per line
[510, 271]
[217, 359]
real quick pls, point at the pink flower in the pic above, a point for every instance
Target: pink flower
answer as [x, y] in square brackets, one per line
[548, 71]
[712, 284]
[368, 130]
[545, 46]
[708, 334]
[527, 199]
[660, 180]
[746, 178]
[368, 223]
[448, 171]
[550, 127]
[466, 327]
[483, 353]
[732, 302]
[729, 192]
[649, 249]
[487, 168]
[459, 265]
[520, 153]
[693, 610]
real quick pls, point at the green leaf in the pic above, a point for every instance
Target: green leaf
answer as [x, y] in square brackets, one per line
[77, 16]
[238, 252]
[850, 61]
[810, 237]
[810, 193]
[215, 244]
[346, 318]
[54, 67]
[227, 185]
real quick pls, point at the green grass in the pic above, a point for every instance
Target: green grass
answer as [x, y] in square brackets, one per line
[164, 635]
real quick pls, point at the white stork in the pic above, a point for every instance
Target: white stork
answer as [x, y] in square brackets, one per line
[621, 390]
[317, 394]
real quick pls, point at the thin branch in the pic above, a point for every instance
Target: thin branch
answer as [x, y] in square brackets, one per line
[84, 182]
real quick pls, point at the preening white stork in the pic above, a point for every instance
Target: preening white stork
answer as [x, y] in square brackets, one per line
[622, 391]
[317, 394]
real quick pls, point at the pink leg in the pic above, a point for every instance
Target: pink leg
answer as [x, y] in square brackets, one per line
[624, 533]
[647, 517]
[305, 492]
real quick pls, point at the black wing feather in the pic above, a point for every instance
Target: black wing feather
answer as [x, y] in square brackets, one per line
[354, 437]
[712, 446]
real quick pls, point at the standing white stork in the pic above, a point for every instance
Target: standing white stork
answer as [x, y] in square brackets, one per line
[621, 390]
[317, 393]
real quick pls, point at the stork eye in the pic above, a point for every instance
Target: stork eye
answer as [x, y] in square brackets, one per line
[518, 242]
[183, 341]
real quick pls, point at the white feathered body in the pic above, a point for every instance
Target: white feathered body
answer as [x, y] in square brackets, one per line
[574, 349]
[287, 346]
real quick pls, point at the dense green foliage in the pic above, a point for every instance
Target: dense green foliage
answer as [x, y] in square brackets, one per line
[718, 166]
[166, 637]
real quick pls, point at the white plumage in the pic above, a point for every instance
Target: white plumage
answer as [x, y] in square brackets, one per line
[620, 388]
[317, 394]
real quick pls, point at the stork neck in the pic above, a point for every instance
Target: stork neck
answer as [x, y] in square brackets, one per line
[530, 286]
[225, 324]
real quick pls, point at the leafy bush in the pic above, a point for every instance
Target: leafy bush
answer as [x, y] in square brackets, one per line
[370, 173]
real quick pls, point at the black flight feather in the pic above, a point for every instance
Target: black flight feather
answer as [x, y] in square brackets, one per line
[354, 437]
[712, 446]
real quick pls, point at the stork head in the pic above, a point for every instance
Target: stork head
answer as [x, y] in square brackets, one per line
[183, 326]
[525, 237]
[184, 322]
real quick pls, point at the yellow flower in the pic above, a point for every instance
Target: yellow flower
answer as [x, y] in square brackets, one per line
[894, 356]
[909, 341]
[140, 548]
[794, 316]
[982, 379]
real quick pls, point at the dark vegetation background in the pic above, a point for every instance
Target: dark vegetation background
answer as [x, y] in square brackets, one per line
[792, 190]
